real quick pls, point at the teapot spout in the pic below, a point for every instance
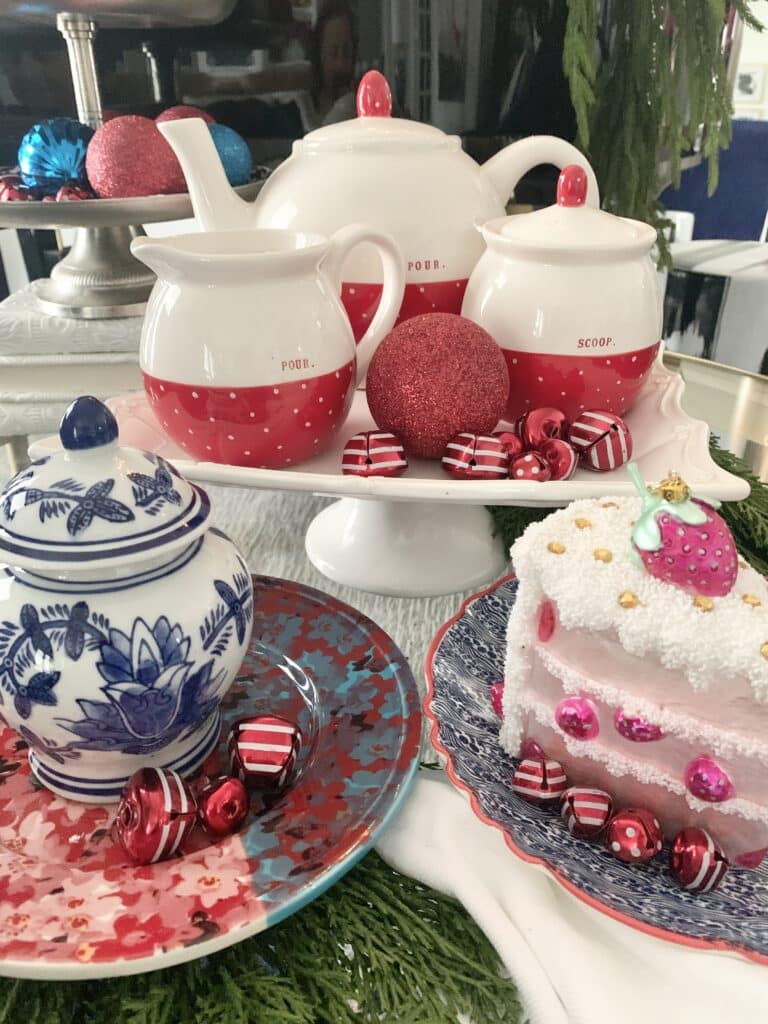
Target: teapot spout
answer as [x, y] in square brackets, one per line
[216, 205]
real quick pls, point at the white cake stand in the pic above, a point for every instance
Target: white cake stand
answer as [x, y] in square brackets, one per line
[425, 533]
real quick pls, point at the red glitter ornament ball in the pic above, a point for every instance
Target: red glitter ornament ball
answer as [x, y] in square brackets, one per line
[129, 157]
[434, 376]
[181, 111]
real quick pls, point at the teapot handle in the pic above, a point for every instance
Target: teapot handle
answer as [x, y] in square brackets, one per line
[393, 267]
[506, 168]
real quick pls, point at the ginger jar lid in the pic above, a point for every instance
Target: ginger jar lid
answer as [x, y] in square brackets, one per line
[96, 500]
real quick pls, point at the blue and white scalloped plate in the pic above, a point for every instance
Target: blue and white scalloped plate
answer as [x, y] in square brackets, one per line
[465, 659]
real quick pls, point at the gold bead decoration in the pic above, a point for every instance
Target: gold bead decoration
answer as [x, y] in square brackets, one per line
[556, 547]
[609, 504]
[703, 603]
[764, 651]
[628, 600]
[672, 488]
[743, 564]
[583, 524]
[603, 555]
[751, 600]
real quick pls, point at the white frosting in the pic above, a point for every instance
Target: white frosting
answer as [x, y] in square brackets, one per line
[706, 648]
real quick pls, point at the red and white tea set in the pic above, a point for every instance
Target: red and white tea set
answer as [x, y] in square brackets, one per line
[248, 347]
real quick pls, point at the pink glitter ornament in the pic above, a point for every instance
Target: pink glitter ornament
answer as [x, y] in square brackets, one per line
[434, 376]
[128, 156]
[182, 111]
[578, 718]
[634, 836]
[497, 698]
[638, 730]
[706, 780]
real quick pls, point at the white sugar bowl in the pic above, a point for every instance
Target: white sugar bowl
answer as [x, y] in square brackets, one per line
[124, 616]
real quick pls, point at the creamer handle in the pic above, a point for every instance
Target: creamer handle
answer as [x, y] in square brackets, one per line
[506, 168]
[393, 268]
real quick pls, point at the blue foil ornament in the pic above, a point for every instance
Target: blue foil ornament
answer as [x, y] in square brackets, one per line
[52, 154]
[233, 152]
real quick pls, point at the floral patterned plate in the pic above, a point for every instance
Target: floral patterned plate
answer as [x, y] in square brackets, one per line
[465, 659]
[72, 907]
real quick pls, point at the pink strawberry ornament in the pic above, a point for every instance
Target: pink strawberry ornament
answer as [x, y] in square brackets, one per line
[682, 540]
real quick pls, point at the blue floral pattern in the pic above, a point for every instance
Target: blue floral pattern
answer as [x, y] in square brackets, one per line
[70, 498]
[151, 492]
[154, 691]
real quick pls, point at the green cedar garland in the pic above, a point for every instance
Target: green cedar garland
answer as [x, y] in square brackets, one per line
[658, 88]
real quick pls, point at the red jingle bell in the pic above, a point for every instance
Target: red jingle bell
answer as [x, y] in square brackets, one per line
[70, 193]
[155, 814]
[585, 812]
[634, 835]
[373, 453]
[602, 440]
[511, 441]
[560, 457]
[540, 425]
[530, 466]
[13, 191]
[263, 751]
[475, 457]
[540, 781]
[222, 805]
[696, 861]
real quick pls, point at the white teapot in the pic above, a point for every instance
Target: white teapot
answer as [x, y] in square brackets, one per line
[402, 177]
[571, 295]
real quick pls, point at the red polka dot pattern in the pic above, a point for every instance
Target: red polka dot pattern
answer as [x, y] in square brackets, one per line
[362, 300]
[575, 383]
[271, 427]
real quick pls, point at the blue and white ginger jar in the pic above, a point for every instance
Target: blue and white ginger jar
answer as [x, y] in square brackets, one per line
[124, 616]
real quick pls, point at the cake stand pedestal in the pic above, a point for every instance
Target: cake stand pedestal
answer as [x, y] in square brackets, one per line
[405, 549]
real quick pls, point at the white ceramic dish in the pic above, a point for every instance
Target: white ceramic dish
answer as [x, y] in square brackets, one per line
[426, 533]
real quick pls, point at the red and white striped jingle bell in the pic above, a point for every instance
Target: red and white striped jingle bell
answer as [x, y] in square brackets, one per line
[586, 812]
[602, 440]
[696, 861]
[373, 453]
[476, 457]
[155, 814]
[540, 781]
[263, 752]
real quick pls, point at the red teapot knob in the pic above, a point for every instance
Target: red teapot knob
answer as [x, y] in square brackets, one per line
[374, 98]
[571, 185]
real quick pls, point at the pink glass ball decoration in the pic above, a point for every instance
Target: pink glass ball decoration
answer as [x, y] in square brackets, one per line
[578, 718]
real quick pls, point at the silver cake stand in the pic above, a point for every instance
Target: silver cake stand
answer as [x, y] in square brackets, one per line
[99, 278]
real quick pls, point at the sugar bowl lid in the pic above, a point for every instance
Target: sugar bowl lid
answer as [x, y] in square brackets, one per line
[96, 501]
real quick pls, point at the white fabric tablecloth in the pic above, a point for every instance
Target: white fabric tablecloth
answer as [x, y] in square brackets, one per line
[572, 964]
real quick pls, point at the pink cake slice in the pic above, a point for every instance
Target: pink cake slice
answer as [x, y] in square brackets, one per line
[639, 687]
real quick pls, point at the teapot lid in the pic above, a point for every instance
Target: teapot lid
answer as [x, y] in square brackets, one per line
[571, 225]
[96, 501]
[374, 124]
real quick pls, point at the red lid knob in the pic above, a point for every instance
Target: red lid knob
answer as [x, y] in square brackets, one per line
[374, 98]
[571, 186]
